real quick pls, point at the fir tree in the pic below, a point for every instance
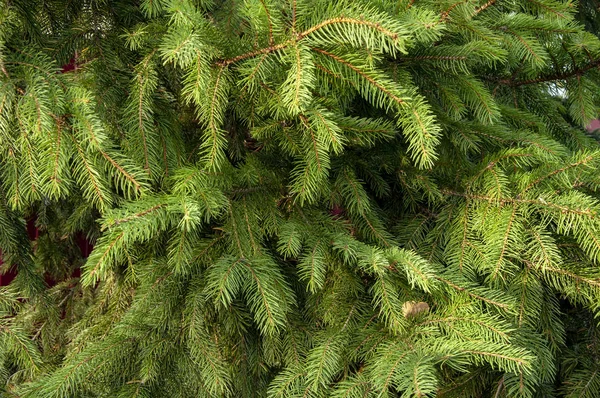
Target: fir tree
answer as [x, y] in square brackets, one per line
[300, 198]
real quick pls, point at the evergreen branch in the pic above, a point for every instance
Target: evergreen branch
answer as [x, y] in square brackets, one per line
[137, 215]
[320, 366]
[544, 246]
[579, 278]
[578, 71]
[254, 72]
[55, 163]
[495, 161]
[328, 71]
[269, 301]
[518, 360]
[208, 356]
[446, 14]
[68, 372]
[313, 142]
[296, 89]
[393, 368]
[545, 7]
[505, 240]
[255, 247]
[294, 15]
[361, 386]
[451, 319]
[360, 203]
[235, 233]
[92, 274]
[141, 127]
[262, 2]
[51, 75]
[290, 240]
[415, 378]
[542, 203]
[300, 36]
[385, 296]
[345, 20]
[3, 69]
[589, 380]
[358, 71]
[85, 117]
[212, 110]
[464, 241]
[334, 139]
[291, 379]
[526, 45]
[27, 350]
[120, 169]
[436, 58]
[312, 268]
[465, 290]
[323, 360]
[558, 171]
[38, 109]
[460, 385]
[92, 178]
[252, 54]
[221, 295]
[206, 249]
[376, 233]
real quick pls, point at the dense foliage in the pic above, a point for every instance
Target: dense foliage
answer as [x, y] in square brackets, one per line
[303, 198]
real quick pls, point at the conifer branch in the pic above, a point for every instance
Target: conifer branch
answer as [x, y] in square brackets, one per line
[502, 201]
[55, 168]
[578, 71]
[558, 171]
[346, 20]
[548, 8]
[262, 2]
[33, 361]
[446, 14]
[294, 16]
[141, 127]
[361, 73]
[93, 179]
[477, 296]
[579, 278]
[518, 360]
[452, 319]
[505, 241]
[120, 169]
[252, 54]
[302, 35]
[91, 275]
[137, 215]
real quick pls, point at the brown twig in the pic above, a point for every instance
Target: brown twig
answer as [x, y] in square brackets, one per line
[483, 7]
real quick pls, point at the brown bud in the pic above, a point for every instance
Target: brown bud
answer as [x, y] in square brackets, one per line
[413, 308]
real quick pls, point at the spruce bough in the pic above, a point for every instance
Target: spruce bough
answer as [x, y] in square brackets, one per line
[301, 198]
